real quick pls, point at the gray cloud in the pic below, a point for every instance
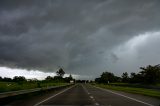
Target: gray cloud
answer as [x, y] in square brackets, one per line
[78, 35]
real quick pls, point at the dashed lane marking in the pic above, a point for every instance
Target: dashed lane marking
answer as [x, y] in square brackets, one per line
[97, 104]
[91, 97]
[85, 90]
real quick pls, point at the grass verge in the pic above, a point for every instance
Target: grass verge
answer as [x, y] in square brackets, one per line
[142, 91]
[13, 86]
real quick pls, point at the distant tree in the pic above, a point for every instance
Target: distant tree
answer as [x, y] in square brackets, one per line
[132, 75]
[107, 77]
[1, 78]
[34, 80]
[68, 79]
[98, 80]
[7, 79]
[117, 79]
[135, 78]
[60, 72]
[125, 77]
[19, 79]
[59, 79]
[49, 78]
[151, 74]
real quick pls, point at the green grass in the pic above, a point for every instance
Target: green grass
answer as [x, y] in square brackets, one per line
[158, 84]
[142, 91]
[12, 86]
[137, 85]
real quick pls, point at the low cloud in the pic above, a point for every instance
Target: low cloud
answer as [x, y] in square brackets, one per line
[83, 37]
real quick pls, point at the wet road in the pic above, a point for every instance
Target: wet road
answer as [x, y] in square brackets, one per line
[87, 95]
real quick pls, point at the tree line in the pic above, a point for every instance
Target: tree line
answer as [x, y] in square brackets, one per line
[58, 78]
[148, 75]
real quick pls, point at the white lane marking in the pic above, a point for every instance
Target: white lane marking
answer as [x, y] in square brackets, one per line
[125, 96]
[85, 89]
[53, 96]
[97, 104]
[91, 97]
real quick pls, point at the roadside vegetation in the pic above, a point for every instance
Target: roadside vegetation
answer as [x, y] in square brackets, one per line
[136, 90]
[145, 82]
[21, 83]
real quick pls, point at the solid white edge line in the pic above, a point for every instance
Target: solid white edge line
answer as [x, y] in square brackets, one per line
[53, 96]
[125, 96]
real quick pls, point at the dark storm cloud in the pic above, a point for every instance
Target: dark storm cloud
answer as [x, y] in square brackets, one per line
[78, 35]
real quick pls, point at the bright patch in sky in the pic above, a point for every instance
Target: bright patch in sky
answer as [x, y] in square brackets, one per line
[134, 44]
[8, 72]
[139, 51]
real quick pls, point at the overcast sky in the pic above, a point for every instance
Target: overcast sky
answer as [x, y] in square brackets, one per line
[85, 37]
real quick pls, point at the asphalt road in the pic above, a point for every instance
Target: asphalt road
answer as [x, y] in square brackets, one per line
[86, 95]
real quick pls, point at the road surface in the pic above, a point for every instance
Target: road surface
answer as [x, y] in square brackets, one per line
[87, 95]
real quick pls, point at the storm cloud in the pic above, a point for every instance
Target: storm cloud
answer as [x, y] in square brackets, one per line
[85, 37]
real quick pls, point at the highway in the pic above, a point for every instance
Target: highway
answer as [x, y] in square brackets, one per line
[87, 95]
